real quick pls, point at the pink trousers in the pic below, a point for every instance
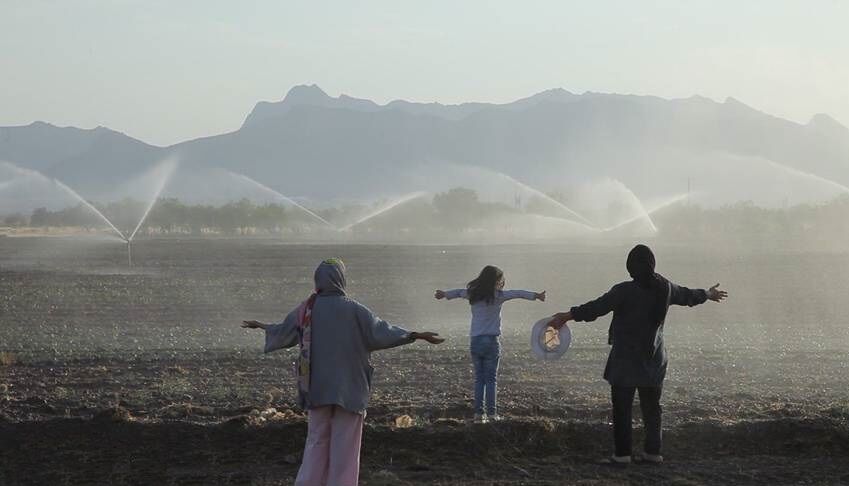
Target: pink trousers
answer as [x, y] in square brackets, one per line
[332, 451]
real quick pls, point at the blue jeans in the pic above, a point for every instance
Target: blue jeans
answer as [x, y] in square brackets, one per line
[486, 351]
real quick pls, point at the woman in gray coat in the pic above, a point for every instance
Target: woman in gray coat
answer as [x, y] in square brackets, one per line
[336, 335]
[638, 361]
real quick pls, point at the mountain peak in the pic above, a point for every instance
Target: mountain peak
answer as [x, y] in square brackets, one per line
[306, 94]
[826, 124]
[41, 124]
[298, 95]
[737, 107]
[553, 93]
[558, 95]
[732, 101]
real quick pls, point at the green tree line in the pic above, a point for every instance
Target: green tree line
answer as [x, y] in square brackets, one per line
[455, 211]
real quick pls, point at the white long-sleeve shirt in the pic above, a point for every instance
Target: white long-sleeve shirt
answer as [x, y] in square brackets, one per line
[486, 317]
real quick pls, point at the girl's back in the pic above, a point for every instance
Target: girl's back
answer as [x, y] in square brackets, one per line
[486, 315]
[486, 295]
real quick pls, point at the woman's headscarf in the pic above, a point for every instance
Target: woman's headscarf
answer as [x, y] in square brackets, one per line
[330, 277]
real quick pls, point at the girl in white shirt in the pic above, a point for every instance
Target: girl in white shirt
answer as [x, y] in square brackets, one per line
[486, 295]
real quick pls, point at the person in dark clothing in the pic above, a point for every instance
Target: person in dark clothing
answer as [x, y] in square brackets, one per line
[638, 360]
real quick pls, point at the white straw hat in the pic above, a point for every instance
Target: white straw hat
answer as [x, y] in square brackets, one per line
[549, 344]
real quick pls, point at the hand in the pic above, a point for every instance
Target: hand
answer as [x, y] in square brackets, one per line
[253, 325]
[431, 337]
[715, 294]
[560, 319]
[439, 294]
[540, 296]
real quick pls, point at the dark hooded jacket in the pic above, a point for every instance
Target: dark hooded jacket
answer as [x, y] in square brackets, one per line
[638, 356]
[344, 333]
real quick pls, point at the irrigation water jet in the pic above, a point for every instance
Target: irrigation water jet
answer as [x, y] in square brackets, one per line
[168, 166]
[807, 175]
[128, 241]
[23, 172]
[277, 194]
[521, 185]
[649, 212]
[8, 183]
[570, 222]
[638, 204]
[167, 169]
[90, 206]
[386, 207]
[544, 196]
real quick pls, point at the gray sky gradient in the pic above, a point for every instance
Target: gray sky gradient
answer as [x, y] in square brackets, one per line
[166, 71]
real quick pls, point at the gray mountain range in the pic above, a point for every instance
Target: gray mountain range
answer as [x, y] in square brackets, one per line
[317, 146]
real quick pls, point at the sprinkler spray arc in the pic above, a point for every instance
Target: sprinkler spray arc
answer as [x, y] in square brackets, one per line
[90, 206]
[169, 166]
[385, 208]
[278, 195]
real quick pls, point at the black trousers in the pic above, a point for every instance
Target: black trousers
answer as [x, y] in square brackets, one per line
[623, 400]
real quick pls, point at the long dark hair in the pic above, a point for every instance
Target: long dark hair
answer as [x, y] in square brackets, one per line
[483, 288]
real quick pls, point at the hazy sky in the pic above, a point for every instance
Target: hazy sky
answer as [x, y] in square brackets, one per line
[166, 71]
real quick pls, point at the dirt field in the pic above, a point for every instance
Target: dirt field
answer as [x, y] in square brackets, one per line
[141, 376]
[229, 419]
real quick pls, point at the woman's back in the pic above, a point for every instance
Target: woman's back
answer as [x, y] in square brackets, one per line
[638, 356]
[340, 372]
[344, 333]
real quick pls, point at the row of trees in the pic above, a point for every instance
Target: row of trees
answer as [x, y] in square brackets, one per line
[172, 216]
[822, 225]
[455, 211]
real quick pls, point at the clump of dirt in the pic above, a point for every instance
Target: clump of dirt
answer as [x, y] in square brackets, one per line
[113, 414]
[404, 422]
[8, 359]
[283, 415]
[176, 370]
[448, 422]
[269, 416]
[245, 421]
[185, 410]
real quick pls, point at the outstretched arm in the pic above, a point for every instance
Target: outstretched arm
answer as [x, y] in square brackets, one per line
[591, 310]
[278, 336]
[379, 334]
[691, 297]
[451, 294]
[523, 294]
